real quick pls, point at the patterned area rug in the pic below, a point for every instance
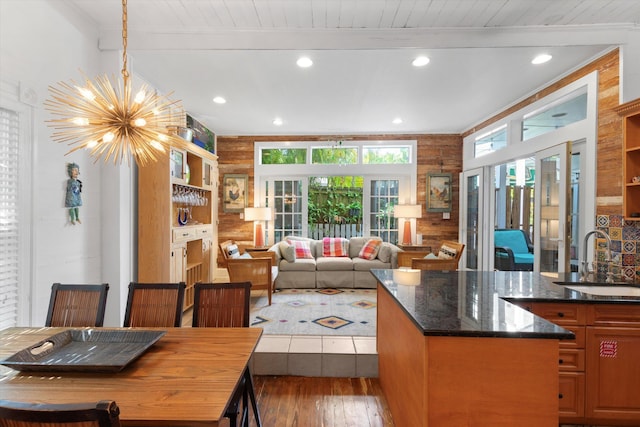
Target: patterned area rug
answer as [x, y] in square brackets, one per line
[350, 312]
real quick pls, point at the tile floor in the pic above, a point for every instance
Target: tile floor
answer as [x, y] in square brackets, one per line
[313, 356]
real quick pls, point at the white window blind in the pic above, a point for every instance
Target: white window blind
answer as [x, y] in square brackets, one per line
[9, 137]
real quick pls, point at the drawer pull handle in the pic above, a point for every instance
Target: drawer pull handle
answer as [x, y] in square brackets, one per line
[560, 396]
[561, 361]
[185, 234]
[560, 314]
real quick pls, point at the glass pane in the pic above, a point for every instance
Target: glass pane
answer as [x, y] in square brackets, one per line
[334, 156]
[473, 211]
[514, 208]
[575, 217]
[335, 206]
[493, 141]
[384, 195]
[283, 156]
[386, 155]
[549, 213]
[569, 109]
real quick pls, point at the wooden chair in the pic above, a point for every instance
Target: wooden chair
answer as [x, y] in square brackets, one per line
[434, 264]
[405, 257]
[77, 305]
[18, 414]
[257, 271]
[223, 305]
[154, 305]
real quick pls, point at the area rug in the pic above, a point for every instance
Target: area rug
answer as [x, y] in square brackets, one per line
[350, 312]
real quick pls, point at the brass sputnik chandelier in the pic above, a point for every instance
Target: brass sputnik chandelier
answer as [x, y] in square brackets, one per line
[106, 119]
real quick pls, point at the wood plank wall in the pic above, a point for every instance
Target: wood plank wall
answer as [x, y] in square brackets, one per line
[436, 153]
[443, 153]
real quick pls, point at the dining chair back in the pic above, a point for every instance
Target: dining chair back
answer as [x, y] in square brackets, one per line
[154, 305]
[77, 305]
[21, 414]
[221, 305]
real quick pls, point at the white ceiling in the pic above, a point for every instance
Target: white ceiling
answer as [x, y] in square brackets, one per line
[245, 50]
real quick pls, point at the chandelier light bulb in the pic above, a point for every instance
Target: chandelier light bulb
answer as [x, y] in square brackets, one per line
[108, 137]
[139, 97]
[80, 121]
[86, 93]
[139, 122]
[155, 144]
[92, 143]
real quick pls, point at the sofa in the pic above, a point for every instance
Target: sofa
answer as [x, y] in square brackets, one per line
[305, 263]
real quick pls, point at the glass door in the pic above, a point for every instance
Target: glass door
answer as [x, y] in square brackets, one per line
[553, 219]
[471, 221]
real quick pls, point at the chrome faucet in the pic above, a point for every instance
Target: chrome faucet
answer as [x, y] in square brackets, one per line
[585, 273]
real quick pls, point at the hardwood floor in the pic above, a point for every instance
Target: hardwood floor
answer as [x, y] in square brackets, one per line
[320, 402]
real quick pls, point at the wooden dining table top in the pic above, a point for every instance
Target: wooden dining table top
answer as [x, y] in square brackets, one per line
[184, 379]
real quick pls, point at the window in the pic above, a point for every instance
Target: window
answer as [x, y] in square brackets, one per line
[287, 199]
[386, 155]
[9, 267]
[283, 156]
[337, 155]
[491, 141]
[384, 196]
[569, 109]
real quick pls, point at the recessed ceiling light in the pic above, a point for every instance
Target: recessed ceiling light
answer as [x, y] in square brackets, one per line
[397, 121]
[420, 61]
[304, 62]
[277, 121]
[541, 59]
[219, 100]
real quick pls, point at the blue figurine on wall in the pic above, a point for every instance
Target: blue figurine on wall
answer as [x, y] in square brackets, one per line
[73, 200]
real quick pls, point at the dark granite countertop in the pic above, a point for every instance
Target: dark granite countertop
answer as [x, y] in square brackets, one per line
[477, 304]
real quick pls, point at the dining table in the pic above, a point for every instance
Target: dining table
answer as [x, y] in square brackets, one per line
[186, 378]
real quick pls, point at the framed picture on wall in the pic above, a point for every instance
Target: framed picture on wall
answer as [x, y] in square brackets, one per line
[235, 187]
[439, 192]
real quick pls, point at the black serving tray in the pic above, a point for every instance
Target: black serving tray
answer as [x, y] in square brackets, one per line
[85, 350]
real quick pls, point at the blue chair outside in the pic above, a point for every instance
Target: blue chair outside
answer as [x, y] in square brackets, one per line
[513, 250]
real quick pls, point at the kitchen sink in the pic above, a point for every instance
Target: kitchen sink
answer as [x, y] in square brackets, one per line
[605, 290]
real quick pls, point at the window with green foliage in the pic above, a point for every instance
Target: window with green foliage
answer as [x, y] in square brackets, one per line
[284, 156]
[334, 155]
[386, 155]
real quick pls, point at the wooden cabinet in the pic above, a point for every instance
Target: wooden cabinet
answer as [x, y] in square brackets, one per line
[571, 360]
[600, 369]
[177, 218]
[613, 365]
[631, 159]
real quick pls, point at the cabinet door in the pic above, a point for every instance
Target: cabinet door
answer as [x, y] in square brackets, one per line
[613, 380]
[178, 165]
[571, 396]
[178, 262]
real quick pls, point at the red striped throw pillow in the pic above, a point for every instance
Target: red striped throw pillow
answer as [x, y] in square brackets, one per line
[370, 249]
[302, 247]
[335, 246]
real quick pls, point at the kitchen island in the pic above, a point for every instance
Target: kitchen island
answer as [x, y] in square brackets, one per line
[458, 348]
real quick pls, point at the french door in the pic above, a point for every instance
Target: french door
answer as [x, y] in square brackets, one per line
[552, 209]
[472, 191]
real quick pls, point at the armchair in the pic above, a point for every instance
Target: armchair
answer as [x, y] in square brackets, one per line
[260, 272]
[513, 250]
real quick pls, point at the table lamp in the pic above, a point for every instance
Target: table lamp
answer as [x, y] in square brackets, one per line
[407, 212]
[258, 215]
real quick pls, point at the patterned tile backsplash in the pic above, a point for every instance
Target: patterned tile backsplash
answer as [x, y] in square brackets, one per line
[625, 247]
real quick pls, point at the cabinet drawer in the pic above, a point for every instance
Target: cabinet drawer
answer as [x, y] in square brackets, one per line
[580, 339]
[204, 231]
[614, 315]
[571, 396]
[183, 234]
[561, 314]
[571, 359]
